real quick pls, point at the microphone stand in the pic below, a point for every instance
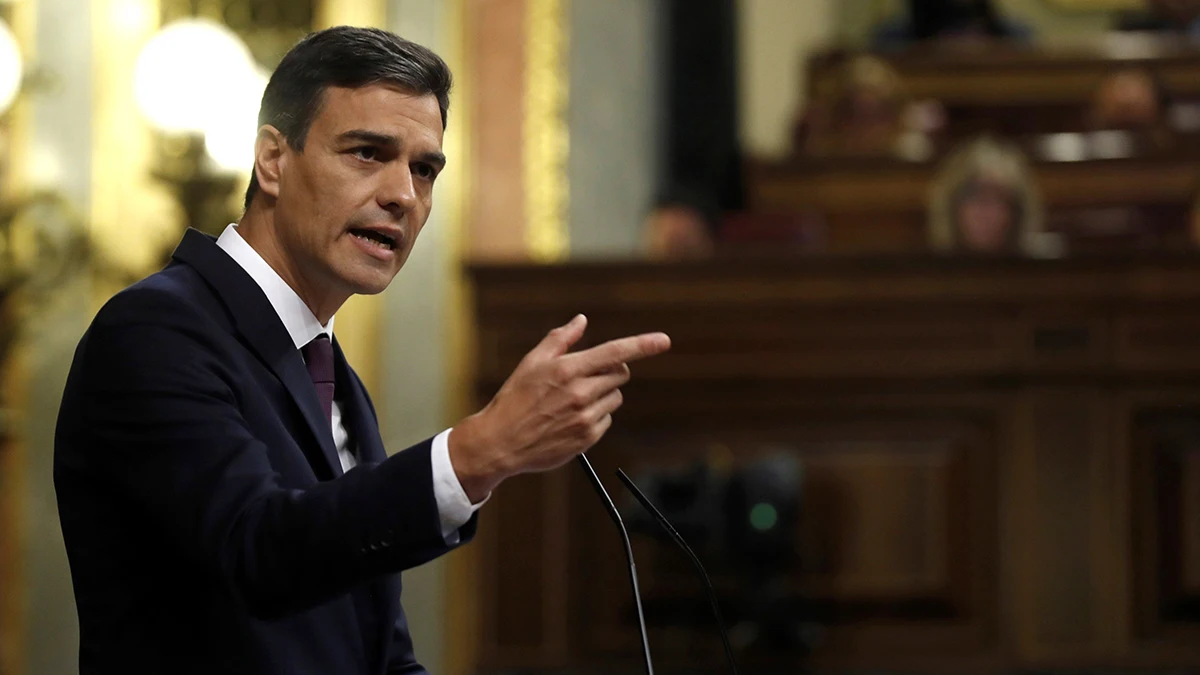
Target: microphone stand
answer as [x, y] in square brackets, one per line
[633, 580]
[678, 539]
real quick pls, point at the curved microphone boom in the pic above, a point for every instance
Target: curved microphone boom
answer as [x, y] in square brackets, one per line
[678, 539]
[616, 518]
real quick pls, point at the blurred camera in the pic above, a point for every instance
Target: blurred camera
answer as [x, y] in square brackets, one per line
[743, 522]
[743, 519]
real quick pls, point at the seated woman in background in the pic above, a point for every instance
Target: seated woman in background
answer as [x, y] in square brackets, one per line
[984, 202]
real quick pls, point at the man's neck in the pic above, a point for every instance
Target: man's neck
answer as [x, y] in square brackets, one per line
[258, 229]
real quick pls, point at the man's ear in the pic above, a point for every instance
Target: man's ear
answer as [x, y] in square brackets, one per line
[269, 150]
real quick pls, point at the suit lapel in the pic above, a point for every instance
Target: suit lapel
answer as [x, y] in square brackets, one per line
[382, 595]
[262, 329]
[358, 414]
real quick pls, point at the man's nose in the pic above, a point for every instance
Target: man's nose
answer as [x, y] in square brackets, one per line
[399, 193]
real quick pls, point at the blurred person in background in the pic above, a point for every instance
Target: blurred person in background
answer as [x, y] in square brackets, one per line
[1180, 17]
[1131, 99]
[681, 225]
[866, 113]
[948, 22]
[984, 202]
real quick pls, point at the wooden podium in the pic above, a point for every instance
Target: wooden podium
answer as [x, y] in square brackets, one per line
[1001, 459]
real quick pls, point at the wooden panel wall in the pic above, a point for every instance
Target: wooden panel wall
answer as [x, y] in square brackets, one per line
[999, 463]
[1163, 487]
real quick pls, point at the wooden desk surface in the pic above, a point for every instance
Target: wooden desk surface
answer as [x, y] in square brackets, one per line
[1043, 75]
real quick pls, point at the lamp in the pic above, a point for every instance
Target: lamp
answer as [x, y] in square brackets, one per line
[10, 67]
[199, 87]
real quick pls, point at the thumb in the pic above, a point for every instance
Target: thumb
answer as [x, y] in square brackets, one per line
[559, 340]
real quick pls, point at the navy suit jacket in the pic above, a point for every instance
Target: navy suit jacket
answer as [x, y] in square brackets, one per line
[207, 522]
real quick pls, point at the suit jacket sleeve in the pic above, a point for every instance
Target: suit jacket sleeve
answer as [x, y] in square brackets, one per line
[162, 425]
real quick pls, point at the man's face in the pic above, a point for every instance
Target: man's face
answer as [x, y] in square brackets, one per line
[350, 206]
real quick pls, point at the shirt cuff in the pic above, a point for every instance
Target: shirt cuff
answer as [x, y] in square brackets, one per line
[454, 508]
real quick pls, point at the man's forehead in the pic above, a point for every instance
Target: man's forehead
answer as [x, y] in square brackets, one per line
[380, 107]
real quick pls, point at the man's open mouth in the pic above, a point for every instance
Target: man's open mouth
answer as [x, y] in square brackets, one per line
[375, 238]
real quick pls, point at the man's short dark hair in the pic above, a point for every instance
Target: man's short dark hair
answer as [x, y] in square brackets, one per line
[345, 56]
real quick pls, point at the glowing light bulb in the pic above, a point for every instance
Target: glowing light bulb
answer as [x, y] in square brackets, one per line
[229, 136]
[183, 74]
[10, 67]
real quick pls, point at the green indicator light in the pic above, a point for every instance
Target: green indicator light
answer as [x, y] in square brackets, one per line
[763, 517]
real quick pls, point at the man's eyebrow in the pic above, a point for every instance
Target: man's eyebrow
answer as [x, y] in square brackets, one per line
[436, 158]
[372, 137]
[387, 140]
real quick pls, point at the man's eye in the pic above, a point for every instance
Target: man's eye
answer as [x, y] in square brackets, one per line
[366, 152]
[426, 172]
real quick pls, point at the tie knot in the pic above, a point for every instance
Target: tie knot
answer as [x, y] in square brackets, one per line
[318, 356]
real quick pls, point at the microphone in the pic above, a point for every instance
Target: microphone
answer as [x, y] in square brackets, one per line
[678, 539]
[616, 518]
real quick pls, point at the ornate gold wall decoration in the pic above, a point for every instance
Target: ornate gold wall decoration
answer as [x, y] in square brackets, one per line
[131, 217]
[546, 137]
[350, 13]
[14, 135]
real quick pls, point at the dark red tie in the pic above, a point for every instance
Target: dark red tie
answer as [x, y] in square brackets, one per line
[318, 356]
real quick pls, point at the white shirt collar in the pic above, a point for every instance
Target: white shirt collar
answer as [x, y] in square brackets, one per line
[299, 320]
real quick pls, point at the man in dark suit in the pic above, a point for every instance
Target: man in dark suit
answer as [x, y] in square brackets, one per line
[224, 494]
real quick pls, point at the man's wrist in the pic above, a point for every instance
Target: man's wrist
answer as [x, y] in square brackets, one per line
[476, 468]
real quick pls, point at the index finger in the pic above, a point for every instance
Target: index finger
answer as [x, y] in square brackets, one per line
[615, 352]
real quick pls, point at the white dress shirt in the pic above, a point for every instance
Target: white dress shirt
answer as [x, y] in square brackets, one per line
[454, 508]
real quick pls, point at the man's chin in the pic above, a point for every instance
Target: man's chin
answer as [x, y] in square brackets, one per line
[363, 277]
[372, 287]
